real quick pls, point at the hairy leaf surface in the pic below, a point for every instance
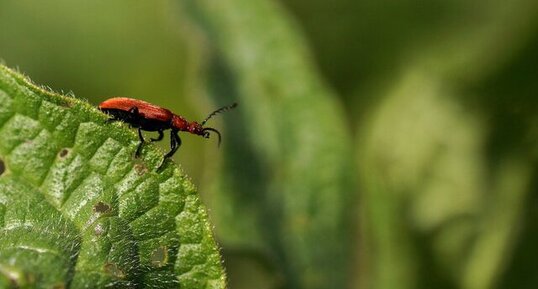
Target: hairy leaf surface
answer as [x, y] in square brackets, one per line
[78, 211]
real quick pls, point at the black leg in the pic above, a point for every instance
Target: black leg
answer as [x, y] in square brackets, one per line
[175, 143]
[139, 148]
[134, 116]
[161, 135]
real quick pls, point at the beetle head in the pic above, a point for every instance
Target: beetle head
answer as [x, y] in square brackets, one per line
[195, 128]
[206, 130]
[198, 129]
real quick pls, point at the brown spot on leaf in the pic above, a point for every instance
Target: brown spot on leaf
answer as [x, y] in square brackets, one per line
[141, 169]
[59, 286]
[159, 257]
[112, 269]
[63, 153]
[2, 167]
[18, 278]
[101, 208]
[68, 104]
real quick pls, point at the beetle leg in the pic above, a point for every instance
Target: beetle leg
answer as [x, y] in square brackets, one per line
[175, 143]
[134, 115]
[142, 141]
[161, 135]
[134, 110]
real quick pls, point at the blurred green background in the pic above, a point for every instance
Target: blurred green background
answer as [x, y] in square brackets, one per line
[378, 144]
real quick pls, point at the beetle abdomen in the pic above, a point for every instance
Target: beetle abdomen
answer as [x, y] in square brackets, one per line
[137, 113]
[145, 109]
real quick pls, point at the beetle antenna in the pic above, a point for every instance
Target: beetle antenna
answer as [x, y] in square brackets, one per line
[213, 130]
[220, 110]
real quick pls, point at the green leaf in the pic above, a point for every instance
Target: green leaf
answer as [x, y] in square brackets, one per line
[78, 211]
[286, 183]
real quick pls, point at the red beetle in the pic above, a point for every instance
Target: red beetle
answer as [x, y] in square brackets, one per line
[149, 117]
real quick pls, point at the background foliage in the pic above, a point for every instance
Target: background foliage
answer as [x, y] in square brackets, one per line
[378, 144]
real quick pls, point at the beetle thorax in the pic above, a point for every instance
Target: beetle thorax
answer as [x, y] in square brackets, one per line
[195, 128]
[179, 123]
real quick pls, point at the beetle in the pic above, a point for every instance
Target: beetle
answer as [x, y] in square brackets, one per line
[150, 117]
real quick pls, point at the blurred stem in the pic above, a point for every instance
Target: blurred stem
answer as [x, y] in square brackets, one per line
[286, 180]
